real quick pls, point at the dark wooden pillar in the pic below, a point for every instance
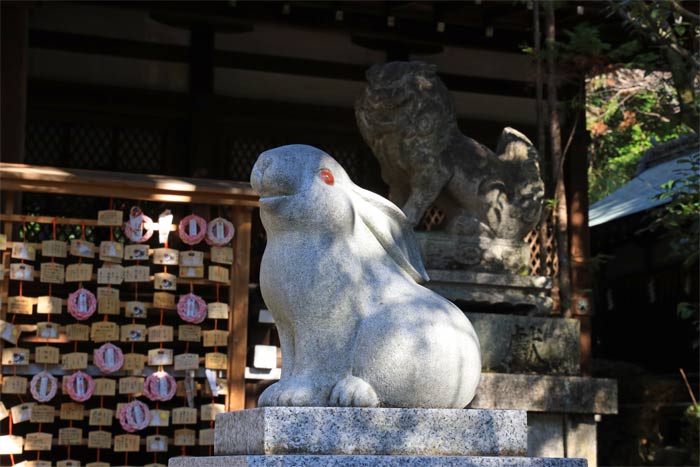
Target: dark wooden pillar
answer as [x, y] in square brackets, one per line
[203, 160]
[579, 234]
[13, 95]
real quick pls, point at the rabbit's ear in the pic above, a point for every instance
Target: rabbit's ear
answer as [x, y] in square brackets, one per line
[391, 228]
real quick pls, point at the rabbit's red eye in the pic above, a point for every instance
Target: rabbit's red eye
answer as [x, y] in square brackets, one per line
[327, 177]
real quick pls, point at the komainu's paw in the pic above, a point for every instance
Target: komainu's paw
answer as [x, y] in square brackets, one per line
[352, 391]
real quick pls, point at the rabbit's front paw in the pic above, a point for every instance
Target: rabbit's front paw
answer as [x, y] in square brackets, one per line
[295, 393]
[271, 395]
[352, 391]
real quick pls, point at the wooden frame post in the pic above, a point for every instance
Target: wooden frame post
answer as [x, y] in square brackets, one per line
[238, 321]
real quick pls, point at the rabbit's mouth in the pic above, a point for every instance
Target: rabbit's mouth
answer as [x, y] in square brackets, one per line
[270, 193]
[272, 200]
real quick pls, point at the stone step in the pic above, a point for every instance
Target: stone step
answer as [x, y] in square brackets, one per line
[493, 289]
[371, 461]
[364, 431]
[542, 393]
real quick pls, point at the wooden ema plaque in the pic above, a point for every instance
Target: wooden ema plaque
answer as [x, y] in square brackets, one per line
[20, 305]
[105, 387]
[25, 251]
[127, 443]
[68, 463]
[52, 273]
[22, 413]
[35, 463]
[113, 274]
[131, 385]
[136, 274]
[186, 361]
[9, 332]
[70, 436]
[206, 437]
[160, 334]
[110, 218]
[189, 333]
[82, 249]
[15, 356]
[135, 309]
[72, 411]
[157, 443]
[107, 301]
[133, 333]
[42, 413]
[11, 444]
[133, 362]
[208, 411]
[38, 441]
[14, 385]
[217, 310]
[21, 272]
[104, 331]
[100, 439]
[160, 417]
[74, 361]
[160, 357]
[184, 416]
[78, 332]
[49, 305]
[184, 437]
[54, 249]
[47, 355]
[100, 417]
[136, 252]
[166, 256]
[79, 272]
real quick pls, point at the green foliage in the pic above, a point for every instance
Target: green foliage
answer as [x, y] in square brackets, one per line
[680, 217]
[633, 97]
[626, 111]
[584, 40]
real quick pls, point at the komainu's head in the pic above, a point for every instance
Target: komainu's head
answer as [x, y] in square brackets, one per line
[409, 95]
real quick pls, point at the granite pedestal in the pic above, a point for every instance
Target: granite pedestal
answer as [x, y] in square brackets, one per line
[340, 436]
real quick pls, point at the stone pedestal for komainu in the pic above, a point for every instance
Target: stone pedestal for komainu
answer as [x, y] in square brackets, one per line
[376, 367]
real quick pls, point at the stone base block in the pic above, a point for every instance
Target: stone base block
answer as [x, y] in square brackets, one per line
[528, 344]
[362, 431]
[371, 461]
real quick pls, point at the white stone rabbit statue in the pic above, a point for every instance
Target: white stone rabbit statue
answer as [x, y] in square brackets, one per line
[341, 276]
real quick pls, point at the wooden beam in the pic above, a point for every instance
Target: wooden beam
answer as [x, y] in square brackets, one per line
[21, 177]
[54, 40]
[238, 321]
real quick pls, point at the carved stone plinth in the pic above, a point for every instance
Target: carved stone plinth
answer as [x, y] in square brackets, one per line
[441, 250]
[528, 344]
[480, 288]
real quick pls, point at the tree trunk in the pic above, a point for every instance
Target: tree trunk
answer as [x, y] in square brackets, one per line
[682, 81]
[561, 215]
